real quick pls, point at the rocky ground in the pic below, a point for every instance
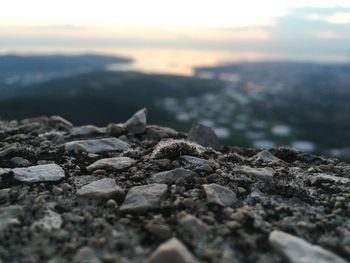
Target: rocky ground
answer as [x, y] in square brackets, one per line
[132, 192]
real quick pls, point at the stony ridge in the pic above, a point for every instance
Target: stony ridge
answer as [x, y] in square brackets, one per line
[132, 192]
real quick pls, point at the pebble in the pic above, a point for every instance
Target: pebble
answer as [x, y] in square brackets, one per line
[195, 160]
[87, 130]
[162, 231]
[116, 163]
[204, 136]
[35, 174]
[157, 133]
[265, 174]
[86, 255]
[8, 214]
[328, 178]
[265, 156]
[172, 251]
[193, 228]
[137, 123]
[49, 222]
[19, 161]
[170, 177]
[10, 149]
[297, 250]
[97, 145]
[104, 188]
[220, 195]
[142, 198]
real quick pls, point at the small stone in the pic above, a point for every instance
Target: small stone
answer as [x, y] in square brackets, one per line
[116, 163]
[170, 177]
[87, 130]
[59, 123]
[111, 203]
[172, 251]
[57, 190]
[193, 228]
[163, 163]
[204, 136]
[4, 195]
[19, 161]
[195, 160]
[38, 173]
[97, 145]
[328, 178]
[161, 231]
[49, 222]
[104, 188]
[157, 133]
[220, 195]
[265, 174]
[86, 255]
[116, 129]
[7, 214]
[205, 168]
[265, 156]
[137, 123]
[297, 250]
[142, 198]
[10, 149]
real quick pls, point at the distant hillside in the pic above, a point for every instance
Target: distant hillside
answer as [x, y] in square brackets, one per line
[101, 97]
[18, 71]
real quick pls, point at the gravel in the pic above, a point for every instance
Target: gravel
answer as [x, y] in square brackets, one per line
[163, 198]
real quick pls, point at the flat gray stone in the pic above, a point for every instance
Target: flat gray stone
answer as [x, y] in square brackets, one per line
[38, 173]
[104, 188]
[142, 198]
[87, 130]
[195, 160]
[328, 178]
[116, 163]
[220, 195]
[297, 250]
[137, 123]
[170, 177]
[265, 174]
[204, 136]
[172, 251]
[97, 145]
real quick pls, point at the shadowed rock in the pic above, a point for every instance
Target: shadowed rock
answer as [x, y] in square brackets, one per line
[172, 251]
[204, 136]
[137, 123]
[169, 177]
[219, 195]
[142, 198]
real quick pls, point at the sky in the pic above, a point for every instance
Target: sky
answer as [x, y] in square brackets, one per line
[292, 29]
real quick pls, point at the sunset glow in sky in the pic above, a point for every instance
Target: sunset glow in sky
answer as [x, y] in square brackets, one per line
[291, 29]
